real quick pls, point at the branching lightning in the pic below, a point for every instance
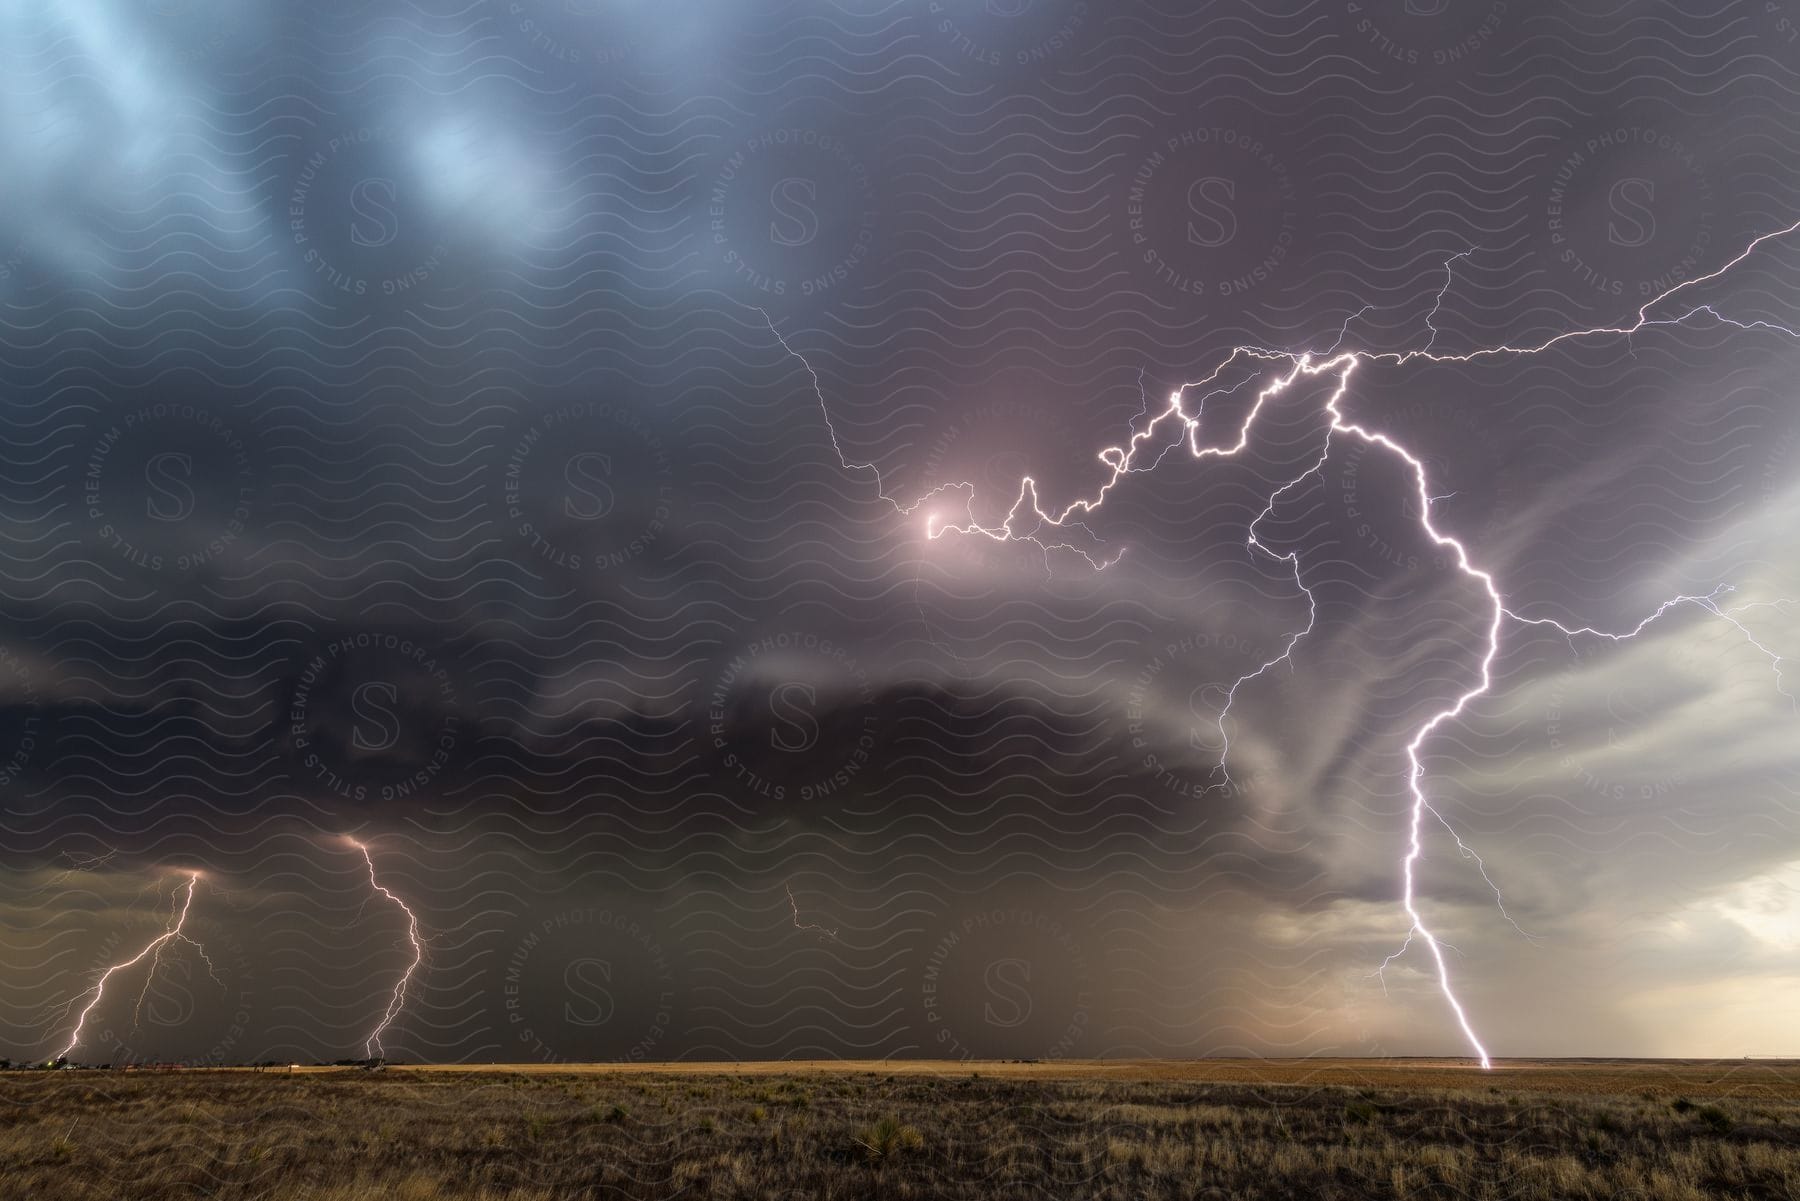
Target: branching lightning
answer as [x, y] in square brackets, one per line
[372, 1048]
[1028, 521]
[81, 861]
[176, 922]
[176, 931]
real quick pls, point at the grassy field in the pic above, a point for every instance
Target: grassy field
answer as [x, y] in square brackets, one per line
[1124, 1130]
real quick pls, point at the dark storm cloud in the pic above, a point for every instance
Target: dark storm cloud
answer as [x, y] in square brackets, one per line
[397, 443]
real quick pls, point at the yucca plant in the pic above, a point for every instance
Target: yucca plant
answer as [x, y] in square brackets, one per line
[883, 1141]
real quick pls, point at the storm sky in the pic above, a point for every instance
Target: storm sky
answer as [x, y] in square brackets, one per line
[397, 444]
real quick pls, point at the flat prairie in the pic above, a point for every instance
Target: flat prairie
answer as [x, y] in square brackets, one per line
[1597, 1077]
[1114, 1130]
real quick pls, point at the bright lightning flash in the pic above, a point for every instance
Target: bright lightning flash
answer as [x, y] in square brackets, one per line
[152, 951]
[1027, 521]
[372, 1047]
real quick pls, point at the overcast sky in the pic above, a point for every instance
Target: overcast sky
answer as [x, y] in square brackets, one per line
[397, 443]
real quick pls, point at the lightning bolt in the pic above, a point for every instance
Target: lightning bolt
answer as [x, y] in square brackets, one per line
[1028, 521]
[176, 921]
[372, 1046]
[152, 951]
[798, 924]
[81, 861]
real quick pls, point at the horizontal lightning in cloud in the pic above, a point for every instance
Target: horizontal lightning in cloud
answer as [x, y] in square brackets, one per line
[798, 924]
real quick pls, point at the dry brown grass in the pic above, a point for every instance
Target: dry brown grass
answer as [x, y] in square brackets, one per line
[1773, 1078]
[907, 1131]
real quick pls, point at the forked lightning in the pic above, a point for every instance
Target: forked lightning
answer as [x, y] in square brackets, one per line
[1027, 521]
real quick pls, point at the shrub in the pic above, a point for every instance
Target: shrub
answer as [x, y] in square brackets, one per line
[1716, 1119]
[884, 1141]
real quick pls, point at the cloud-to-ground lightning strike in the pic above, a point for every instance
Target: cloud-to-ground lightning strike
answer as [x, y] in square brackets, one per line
[1028, 521]
[177, 922]
[153, 951]
[372, 1046]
